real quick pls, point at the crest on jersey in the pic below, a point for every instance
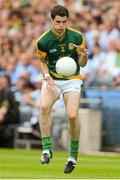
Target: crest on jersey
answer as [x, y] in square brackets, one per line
[70, 46]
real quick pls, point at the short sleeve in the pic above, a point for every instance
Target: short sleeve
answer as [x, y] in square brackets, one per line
[83, 44]
[41, 53]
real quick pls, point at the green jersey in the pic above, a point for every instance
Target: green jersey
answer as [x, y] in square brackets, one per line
[50, 48]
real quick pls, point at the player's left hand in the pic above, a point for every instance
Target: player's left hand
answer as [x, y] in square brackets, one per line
[81, 50]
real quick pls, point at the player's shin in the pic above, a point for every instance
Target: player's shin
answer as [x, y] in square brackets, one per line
[74, 147]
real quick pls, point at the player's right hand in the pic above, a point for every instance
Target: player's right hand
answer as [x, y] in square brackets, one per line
[50, 82]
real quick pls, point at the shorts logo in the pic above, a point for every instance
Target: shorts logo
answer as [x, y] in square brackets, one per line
[53, 50]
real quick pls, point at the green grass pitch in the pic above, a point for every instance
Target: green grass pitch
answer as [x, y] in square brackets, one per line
[24, 164]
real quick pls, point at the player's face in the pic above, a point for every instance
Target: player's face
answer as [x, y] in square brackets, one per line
[59, 24]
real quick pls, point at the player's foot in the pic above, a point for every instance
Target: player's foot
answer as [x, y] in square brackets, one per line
[70, 165]
[46, 156]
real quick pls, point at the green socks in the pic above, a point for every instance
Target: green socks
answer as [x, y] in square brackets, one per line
[47, 143]
[74, 147]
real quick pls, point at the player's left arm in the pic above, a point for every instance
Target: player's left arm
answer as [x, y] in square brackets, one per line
[82, 53]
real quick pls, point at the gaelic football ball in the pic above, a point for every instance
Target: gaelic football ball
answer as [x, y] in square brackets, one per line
[66, 66]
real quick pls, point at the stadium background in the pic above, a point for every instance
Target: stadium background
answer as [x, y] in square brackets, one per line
[22, 22]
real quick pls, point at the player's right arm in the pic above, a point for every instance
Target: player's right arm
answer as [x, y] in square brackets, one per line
[43, 65]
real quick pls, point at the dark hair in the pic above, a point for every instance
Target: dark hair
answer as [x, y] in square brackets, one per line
[60, 11]
[7, 77]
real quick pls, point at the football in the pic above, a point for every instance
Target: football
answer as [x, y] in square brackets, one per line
[66, 66]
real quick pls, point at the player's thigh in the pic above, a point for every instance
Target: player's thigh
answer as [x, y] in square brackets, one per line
[72, 102]
[48, 96]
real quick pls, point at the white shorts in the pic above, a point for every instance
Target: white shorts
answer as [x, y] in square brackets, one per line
[68, 85]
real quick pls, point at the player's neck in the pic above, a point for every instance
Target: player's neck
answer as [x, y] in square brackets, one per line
[58, 34]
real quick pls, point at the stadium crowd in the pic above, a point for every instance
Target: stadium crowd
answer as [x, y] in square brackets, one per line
[23, 21]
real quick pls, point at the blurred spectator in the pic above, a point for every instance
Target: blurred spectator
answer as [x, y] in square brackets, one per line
[116, 63]
[24, 86]
[116, 82]
[110, 32]
[96, 76]
[8, 108]
[9, 112]
[33, 100]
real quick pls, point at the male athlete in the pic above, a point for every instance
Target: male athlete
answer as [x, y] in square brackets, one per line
[57, 42]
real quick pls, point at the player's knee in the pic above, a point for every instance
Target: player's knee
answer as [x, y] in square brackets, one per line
[71, 116]
[44, 108]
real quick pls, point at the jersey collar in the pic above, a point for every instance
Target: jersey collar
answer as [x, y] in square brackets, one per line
[59, 38]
